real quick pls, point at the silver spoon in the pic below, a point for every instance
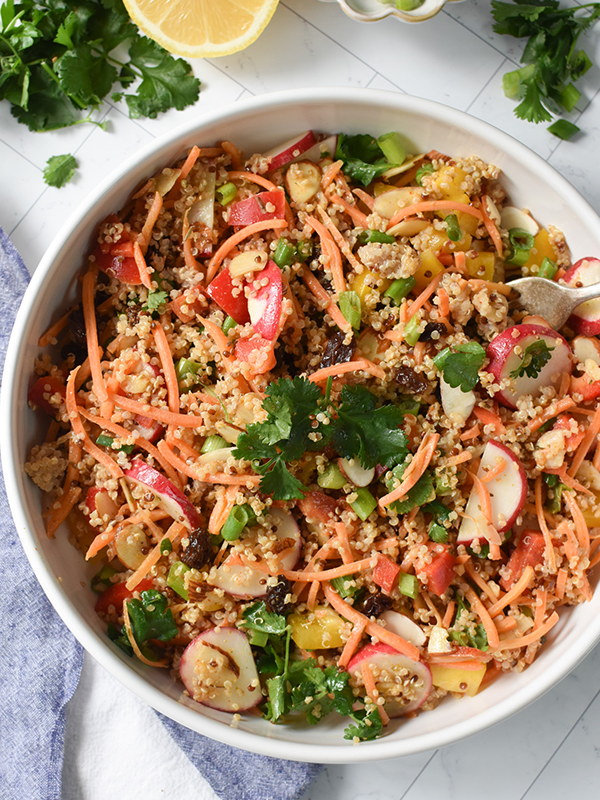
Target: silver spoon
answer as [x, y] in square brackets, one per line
[555, 302]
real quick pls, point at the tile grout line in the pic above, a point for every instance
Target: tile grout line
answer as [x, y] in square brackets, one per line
[484, 87]
[24, 157]
[459, 22]
[421, 771]
[563, 740]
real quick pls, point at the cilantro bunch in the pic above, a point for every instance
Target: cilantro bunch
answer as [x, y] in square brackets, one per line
[301, 419]
[58, 63]
[545, 85]
[301, 687]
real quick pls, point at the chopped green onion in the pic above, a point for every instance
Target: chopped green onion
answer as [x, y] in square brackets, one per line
[511, 81]
[411, 330]
[548, 269]
[212, 443]
[364, 504]
[228, 325]
[304, 249]
[563, 129]
[332, 478]
[555, 503]
[453, 230]
[259, 639]
[101, 580]
[550, 479]
[441, 357]
[408, 585]
[176, 580]
[107, 441]
[570, 96]
[366, 237]
[285, 253]
[521, 243]
[351, 308]
[424, 169]
[226, 193]
[186, 371]
[392, 147]
[400, 289]
[579, 63]
[238, 519]
[166, 546]
[437, 533]
[441, 487]
[342, 588]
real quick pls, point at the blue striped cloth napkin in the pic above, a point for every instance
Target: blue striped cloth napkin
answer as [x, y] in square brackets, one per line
[40, 664]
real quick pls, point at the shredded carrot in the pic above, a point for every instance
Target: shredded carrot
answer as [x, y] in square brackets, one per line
[312, 595]
[568, 480]
[335, 260]
[444, 302]
[349, 366]
[244, 175]
[133, 642]
[550, 556]
[228, 245]
[581, 528]
[195, 474]
[65, 506]
[425, 295]
[495, 471]
[540, 609]
[477, 578]
[430, 605]
[453, 461]
[484, 497]
[351, 644]
[419, 464]
[53, 331]
[342, 535]
[553, 410]
[449, 614]
[525, 641]
[330, 173]
[341, 242]
[173, 534]
[513, 593]
[487, 417]
[596, 461]
[160, 414]
[432, 205]
[142, 266]
[189, 162]
[460, 262]
[236, 155]
[153, 213]
[484, 615]
[491, 227]
[326, 301]
[586, 442]
[331, 574]
[188, 257]
[373, 692]
[166, 359]
[88, 286]
[221, 510]
[505, 624]
[367, 199]
[357, 216]
[222, 342]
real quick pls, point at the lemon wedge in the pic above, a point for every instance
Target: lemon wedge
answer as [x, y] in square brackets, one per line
[202, 28]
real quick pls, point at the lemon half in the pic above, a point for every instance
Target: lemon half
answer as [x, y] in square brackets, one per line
[202, 28]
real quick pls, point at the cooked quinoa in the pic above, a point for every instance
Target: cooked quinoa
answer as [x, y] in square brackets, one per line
[278, 373]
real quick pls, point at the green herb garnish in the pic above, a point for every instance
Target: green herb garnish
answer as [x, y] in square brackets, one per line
[59, 170]
[461, 365]
[534, 357]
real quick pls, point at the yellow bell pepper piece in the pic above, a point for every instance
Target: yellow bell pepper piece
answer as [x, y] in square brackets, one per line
[320, 629]
[541, 249]
[466, 681]
[429, 268]
[481, 266]
[363, 284]
[448, 182]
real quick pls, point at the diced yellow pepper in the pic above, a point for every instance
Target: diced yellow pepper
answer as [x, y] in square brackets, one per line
[380, 188]
[363, 284]
[448, 182]
[463, 244]
[429, 268]
[320, 629]
[481, 266]
[541, 249]
[592, 515]
[466, 681]
[467, 222]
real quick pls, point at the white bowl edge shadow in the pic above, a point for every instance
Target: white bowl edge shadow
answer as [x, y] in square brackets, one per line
[255, 125]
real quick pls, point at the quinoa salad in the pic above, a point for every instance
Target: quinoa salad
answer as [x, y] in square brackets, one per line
[321, 458]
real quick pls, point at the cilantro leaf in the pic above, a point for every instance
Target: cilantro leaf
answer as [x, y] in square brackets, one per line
[59, 170]
[367, 725]
[257, 617]
[362, 430]
[85, 77]
[151, 618]
[281, 484]
[464, 638]
[421, 493]
[156, 299]
[533, 359]
[461, 366]
[363, 158]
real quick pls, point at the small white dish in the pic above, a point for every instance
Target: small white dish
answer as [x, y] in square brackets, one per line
[255, 125]
[374, 10]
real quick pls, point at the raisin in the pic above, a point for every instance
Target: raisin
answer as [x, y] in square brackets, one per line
[432, 327]
[77, 326]
[410, 380]
[336, 352]
[133, 314]
[276, 595]
[376, 604]
[199, 550]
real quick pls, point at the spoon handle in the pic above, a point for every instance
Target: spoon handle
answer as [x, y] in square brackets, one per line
[581, 294]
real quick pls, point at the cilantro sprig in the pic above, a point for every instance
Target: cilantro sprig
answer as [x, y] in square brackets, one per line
[545, 84]
[534, 357]
[356, 428]
[150, 618]
[362, 156]
[59, 170]
[460, 366]
[57, 63]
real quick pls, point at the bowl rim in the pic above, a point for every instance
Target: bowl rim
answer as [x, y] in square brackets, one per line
[101, 651]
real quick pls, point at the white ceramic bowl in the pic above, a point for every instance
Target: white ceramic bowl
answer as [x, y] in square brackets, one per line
[256, 125]
[374, 10]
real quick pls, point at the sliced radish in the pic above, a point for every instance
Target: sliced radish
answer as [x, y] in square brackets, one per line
[303, 181]
[288, 151]
[356, 474]
[264, 303]
[457, 404]
[403, 683]
[508, 494]
[218, 670]
[513, 217]
[586, 317]
[172, 499]
[504, 360]
[148, 428]
[403, 626]
[132, 546]
[324, 149]
[239, 580]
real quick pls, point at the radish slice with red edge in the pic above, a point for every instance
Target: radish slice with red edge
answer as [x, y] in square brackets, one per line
[286, 152]
[172, 499]
[586, 317]
[265, 301]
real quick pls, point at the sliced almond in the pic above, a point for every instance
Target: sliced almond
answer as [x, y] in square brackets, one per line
[388, 203]
[166, 180]
[586, 349]
[248, 261]
[409, 227]
[229, 432]
[303, 181]
[492, 209]
[512, 217]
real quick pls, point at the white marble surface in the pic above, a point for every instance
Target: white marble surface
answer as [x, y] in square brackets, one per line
[551, 749]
